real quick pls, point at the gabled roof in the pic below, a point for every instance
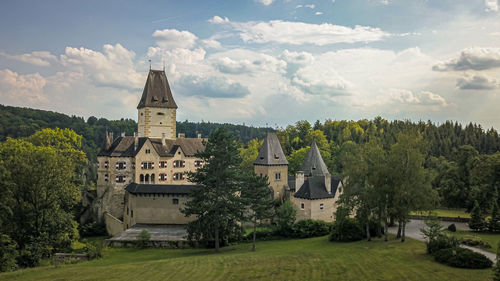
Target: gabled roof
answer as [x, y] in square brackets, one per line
[136, 188]
[313, 164]
[157, 91]
[124, 146]
[271, 153]
[314, 188]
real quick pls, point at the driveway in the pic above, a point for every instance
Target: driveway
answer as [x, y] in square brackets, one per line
[413, 231]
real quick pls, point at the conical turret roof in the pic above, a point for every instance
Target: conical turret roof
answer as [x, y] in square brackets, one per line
[271, 153]
[314, 165]
[157, 92]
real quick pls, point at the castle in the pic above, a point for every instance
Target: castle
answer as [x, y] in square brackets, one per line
[142, 178]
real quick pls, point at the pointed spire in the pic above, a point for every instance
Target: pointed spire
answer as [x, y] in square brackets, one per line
[271, 153]
[313, 164]
[157, 91]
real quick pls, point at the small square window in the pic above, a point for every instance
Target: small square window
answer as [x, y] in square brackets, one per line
[302, 206]
[148, 151]
[175, 201]
[277, 176]
[321, 206]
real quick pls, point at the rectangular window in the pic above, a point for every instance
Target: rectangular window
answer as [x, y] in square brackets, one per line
[163, 164]
[179, 176]
[120, 178]
[148, 151]
[121, 165]
[321, 206]
[162, 177]
[179, 163]
[106, 164]
[106, 177]
[277, 176]
[302, 206]
[175, 201]
[147, 165]
[131, 213]
[198, 163]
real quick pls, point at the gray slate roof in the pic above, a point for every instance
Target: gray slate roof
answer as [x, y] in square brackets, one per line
[157, 91]
[314, 188]
[136, 188]
[271, 153]
[313, 164]
[124, 146]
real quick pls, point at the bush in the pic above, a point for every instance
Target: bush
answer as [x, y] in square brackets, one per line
[92, 229]
[93, 250]
[143, 239]
[474, 242]
[263, 234]
[286, 215]
[441, 242]
[8, 253]
[373, 225]
[463, 258]
[346, 230]
[310, 228]
[452, 228]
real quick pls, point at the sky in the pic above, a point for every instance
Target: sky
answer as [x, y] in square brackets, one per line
[257, 62]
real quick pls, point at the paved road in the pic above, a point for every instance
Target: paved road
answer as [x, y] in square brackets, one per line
[413, 230]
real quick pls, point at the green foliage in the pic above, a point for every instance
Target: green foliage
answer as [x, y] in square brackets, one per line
[286, 215]
[249, 154]
[463, 258]
[347, 230]
[217, 207]
[310, 228]
[476, 222]
[494, 222]
[8, 253]
[92, 229]
[433, 229]
[496, 267]
[452, 228]
[474, 241]
[94, 249]
[441, 242]
[143, 239]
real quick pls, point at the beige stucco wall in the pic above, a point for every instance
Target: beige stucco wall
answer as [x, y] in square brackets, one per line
[312, 209]
[153, 125]
[113, 225]
[277, 185]
[169, 170]
[155, 209]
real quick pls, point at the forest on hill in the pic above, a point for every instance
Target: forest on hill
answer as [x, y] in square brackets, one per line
[464, 159]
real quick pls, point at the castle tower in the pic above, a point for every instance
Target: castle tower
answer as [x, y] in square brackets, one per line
[157, 108]
[314, 166]
[272, 163]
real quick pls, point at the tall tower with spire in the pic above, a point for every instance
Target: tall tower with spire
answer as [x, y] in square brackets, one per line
[272, 163]
[157, 109]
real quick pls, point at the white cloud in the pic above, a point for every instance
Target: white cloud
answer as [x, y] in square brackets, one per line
[114, 67]
[228, 65]
[265, 2]
[477, 82]
[21, 90]
[211, 44]
[491, 5]
[298, 33]
[404, 96]
[296, 60]
[35, 58]
[173, 38]
[328, 83]
[218, 20]
[475, 58]
[310, 6]
[318, 13]
[211, 87]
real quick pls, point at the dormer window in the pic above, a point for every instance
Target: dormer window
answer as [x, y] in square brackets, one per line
[154, 98]
[179, 163]
[148, 151]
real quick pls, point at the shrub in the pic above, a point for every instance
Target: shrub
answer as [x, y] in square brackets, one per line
[373, 225]
[441, 242]
[463, 258]
[474, 242]
[310, 228]
[452, 228]
[263, 234]
[143, 239]
[93, 250]
[92, 229]
[346, 230]
[8, 253]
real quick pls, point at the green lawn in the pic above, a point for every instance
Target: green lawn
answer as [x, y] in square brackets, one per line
[491, 238]
[306, 259]
[445, 213]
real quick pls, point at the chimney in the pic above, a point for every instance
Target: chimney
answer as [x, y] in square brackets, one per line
[163, 138]
[111, 137]
[299, 180]
[328, 183]
[108, 141]
[123, 134]
[136, 140]
[199, 136]
[181, 135]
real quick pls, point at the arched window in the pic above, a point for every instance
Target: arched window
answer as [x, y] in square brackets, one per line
[152, 178]
[141, 178]
[146, 179]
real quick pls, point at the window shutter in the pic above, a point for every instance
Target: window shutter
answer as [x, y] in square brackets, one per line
[117, 179]
[116, 165]
[142, 165]
[124, 165]
[152, 165]
[183, 176]
[183, 163]
[175, 164]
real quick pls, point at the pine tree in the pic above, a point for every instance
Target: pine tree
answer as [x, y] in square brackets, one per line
[476, 221]
[258, 198]
[217, 207]
[494, 223]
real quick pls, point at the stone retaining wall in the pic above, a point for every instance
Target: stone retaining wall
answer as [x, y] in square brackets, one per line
[63, 258]
[150, 244]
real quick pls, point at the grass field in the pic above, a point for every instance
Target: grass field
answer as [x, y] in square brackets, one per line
[445, 213]
[306, 259]
[491, 238]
